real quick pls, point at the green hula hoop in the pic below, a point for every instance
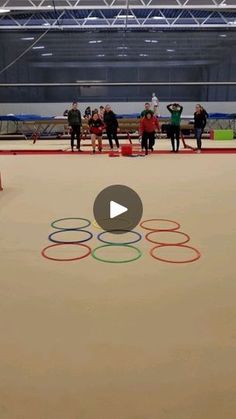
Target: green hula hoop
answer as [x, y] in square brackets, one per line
[87, 223]
[139, 253]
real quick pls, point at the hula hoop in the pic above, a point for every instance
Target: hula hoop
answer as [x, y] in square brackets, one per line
[177, 225]
[87, 223]
[44, 254]
[138, 235]
[187, 238]
[97, 226]
[139, 253]
[50, 237]
[198, 254]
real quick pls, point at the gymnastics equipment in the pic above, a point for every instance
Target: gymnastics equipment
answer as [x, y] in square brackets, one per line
[126, 150]
[87, 223]
[222, 134]
[70, 259]
[137, 237]
[180, 246]
[52, 235]
[175, 225]
[139, 254]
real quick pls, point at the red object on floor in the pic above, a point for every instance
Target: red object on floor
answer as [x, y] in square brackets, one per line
[126, 150]
[211, 134]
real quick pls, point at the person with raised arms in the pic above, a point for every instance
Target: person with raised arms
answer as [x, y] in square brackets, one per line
[176, 110]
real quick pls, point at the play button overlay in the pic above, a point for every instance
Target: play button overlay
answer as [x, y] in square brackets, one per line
[118, 209]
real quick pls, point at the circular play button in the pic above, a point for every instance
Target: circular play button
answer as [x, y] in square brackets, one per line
[118, 208]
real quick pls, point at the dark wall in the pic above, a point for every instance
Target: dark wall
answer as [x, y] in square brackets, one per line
[72, 61]
[109, 74]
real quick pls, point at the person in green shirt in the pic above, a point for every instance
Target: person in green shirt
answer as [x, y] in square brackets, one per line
[146, 110]
[75, 122]
[176, 110]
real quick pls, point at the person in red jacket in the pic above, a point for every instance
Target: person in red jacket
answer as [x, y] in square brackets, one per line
[96, 127]
[149, 125]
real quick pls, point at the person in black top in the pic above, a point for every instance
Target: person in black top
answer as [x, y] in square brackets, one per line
[75, 122]
[200, 119]
[111, 125]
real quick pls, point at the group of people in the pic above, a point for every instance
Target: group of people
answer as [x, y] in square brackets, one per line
[105, 119]
[98, 121]
[149, 126]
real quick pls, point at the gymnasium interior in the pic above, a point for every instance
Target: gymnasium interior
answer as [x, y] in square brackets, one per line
[117, 272]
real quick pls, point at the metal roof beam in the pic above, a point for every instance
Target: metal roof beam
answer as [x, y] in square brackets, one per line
[105, 26]
[32, 5]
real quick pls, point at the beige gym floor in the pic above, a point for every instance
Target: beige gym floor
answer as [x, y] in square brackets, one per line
[145, 340]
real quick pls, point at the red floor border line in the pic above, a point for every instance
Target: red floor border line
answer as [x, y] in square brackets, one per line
[61, 152]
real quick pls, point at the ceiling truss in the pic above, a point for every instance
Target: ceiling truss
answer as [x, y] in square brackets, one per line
[141, 14]
[92, 4]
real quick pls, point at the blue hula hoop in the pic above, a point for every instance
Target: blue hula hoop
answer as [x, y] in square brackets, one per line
[50, 237]
[138, 235]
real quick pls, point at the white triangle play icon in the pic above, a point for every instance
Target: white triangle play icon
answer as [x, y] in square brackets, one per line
[116, 209]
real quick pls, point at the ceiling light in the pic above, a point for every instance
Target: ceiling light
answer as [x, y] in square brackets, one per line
[158, 17]
[95, 42]
[170, 50]
[30, 38]
[152, 41]
[92, 18]
[122, 47]
[101, 55]
[223, 35]
[47, 54]
[122, 55]
[2, 10]
[143, 55]
[39, 47]
[125, 16]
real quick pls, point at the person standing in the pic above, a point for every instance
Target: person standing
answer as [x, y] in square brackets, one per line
[200, 119]
[96, 127]
[111, 124]
[75, 122]
[149, 125]
[176, 110]
[147, 108]
[155, 104]
[206, 116]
